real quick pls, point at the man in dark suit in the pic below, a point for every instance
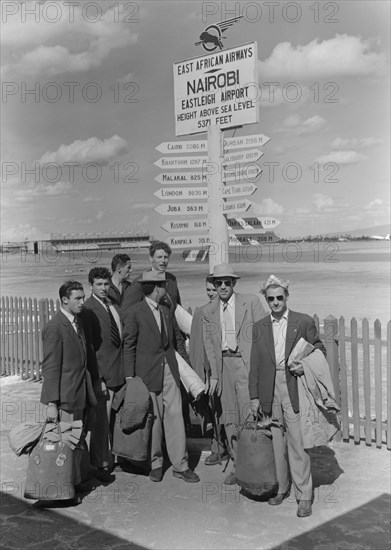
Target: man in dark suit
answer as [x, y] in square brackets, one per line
[159, 255]
[151, 336]
[227, 338]
[273, 389]
[119, 283]
[65, 378]
[105, 329]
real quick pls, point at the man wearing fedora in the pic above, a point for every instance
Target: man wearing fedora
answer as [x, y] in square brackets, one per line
[228, 324]
[151, 337]
[273, 389]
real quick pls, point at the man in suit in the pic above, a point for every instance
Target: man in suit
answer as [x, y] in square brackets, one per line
[121, 267]
[227, 338]
[105, 328]
[66, 358]
[159, 255]
[151, 336]
[199, 362]
[273, 389]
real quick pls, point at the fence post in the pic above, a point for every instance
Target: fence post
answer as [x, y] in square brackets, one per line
[330, 329]
[43, 315]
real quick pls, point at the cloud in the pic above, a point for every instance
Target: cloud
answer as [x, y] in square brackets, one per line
[59, 189]
[92, 199]
[68, 44]
[346, 143]
[342, 157]
[342, 55]
[293, 124]
[375, 204]
[100, 215]
[267, 208]
[142, 206]
[89, 150]
[18, 233]
[322, 201]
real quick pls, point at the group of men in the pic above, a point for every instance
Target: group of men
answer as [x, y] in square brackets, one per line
[126, 330]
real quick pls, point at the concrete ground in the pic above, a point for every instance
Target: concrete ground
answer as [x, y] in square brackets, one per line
[351, 508]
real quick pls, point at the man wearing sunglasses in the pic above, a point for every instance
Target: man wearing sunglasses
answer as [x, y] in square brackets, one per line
[273, 389]
[228, 324]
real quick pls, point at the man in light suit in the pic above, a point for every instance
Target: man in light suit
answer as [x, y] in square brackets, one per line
[151, 336]
[66, 358]
[273, 389]
[228, 326]
[105, 330]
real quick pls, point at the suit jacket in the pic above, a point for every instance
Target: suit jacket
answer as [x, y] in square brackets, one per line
[109, 359]
[134, 294]
[248, 310]
[114, 294]
[143, 352]
[64, 364]
[263, 361]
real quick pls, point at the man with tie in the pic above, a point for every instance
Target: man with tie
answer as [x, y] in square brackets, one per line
[105, 333]
[119, 283]
[151, 337]
[227, 339]
[64, 365]
[273, 389]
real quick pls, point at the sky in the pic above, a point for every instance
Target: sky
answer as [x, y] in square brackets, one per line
[88, 94]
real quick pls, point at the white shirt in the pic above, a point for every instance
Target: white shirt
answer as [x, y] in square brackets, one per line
[156, 313]
[113, 311]
[71, 318]
[279, 336]
[231, 311]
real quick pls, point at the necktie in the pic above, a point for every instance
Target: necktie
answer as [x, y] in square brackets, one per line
[78, 330]
[163, 331]
[114, 335]
[230, 336]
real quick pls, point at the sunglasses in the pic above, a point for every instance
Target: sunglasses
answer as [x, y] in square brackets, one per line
[219, 282]
[280, 298]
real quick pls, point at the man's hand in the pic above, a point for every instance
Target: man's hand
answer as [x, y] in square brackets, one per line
[52, 412]
[99, 386]
[212, 385]
[296, 368]
[254, 406]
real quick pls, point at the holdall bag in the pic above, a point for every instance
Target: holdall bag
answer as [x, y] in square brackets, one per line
[133, 445]
[50, 470]
[255, 466]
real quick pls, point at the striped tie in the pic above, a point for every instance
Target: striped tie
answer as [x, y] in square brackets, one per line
[115, 335]
[163, 331]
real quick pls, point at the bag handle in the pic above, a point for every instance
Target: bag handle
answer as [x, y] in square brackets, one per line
[57, 423]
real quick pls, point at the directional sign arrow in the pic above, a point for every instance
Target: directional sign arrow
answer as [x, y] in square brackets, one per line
[199, 146]
[252, 155]
[254, 223]
[179, 226]
[188, 241]
[180, 209]
[250, 172]
[240, 142]
[236, 206]
[181, 162]
[238, 190]
[268, 223]
[179, 193]
[183, 178]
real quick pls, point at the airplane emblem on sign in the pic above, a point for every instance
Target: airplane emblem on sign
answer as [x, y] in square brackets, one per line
[211, 37]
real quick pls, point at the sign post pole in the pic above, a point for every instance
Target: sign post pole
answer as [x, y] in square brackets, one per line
[218, 232]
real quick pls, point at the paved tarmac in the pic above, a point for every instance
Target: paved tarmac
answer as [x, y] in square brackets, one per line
[351, 509]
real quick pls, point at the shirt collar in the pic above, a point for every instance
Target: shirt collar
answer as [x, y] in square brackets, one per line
[285, 317]
[68, 315]
[151, 303]
[231, 302]
[101, 301]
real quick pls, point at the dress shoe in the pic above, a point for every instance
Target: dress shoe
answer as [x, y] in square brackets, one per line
[213, 459]
[230, 479]
[274, 501]
[188, 475]
[304, 509]
[156, 474]
[103, 474]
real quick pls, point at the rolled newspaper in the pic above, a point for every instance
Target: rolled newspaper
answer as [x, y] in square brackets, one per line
[190, 379]
[183, 318]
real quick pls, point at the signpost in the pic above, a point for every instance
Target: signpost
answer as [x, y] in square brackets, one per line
[179, 209]
[252, 155]
[167, 147]
[182, 194]
[179, 226]
[218, 89]
[238, 190]
[242, 173]
[168, 178]
[240, 142]
[236, 206]
[188, 241]
[181, 162]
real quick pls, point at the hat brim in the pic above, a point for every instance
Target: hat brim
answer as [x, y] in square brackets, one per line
[227, 275]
